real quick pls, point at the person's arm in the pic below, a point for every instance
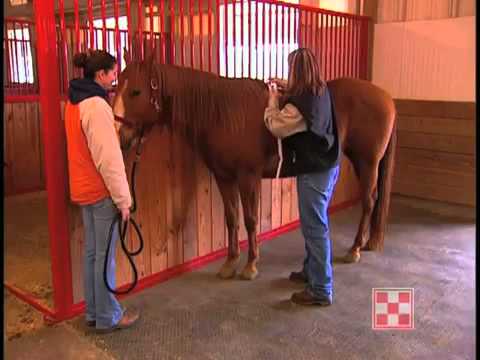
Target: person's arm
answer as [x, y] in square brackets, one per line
[98, 126]
[284, 122]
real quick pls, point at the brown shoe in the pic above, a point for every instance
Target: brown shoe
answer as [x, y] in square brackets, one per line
[130, 317]
[298, 277]
[305, 298]
[90, 323]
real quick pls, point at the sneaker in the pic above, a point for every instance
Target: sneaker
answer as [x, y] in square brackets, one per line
[130, 317]
[305, 298]
[298, 277]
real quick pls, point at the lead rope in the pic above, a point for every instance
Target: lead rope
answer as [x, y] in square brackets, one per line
[123, 231]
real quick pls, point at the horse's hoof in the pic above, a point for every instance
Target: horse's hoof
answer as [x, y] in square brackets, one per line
[352, 257]
[228, 270]
[249, 272]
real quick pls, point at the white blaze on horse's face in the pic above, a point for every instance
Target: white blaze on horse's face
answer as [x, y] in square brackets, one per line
[118, 105]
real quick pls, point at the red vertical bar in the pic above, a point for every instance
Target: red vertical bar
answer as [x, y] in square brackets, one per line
[314, 34]
[210, 31]
[172, 31]
[54, 154]
[104, 26]
[357, 52]
[61, 6]
[330, 46]
[350, 48]
[287, 39]
[90, 24]
[280, 42]
[345, 46]
[250, 40]
[191, 35]
[140, 28]
[234, 34]
[276, 41]
[25, 58]
[299, 30]
[264, 47]
[217, 13]
[226, 36]
[117, 34]
[270, 42]
[150, 22]
[6, 41]
[200, 43]
[161, 27]
[257, 29]
[242, 38]
[77, 25]
[15, 52]
[129, 24]
[321, 46]
[182, 34]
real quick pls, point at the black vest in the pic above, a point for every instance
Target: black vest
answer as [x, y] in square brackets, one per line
[318, 148]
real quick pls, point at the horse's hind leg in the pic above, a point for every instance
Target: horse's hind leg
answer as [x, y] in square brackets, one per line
[229, 191]
[367, 173]
[249, 187]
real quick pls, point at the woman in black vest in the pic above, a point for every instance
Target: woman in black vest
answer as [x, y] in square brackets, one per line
[311, 151]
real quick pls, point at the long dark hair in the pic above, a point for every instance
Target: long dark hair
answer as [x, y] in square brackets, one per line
[93, 61]
[304, 74]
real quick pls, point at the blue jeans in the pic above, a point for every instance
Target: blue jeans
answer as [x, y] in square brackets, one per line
[314, 194]
[101, 305]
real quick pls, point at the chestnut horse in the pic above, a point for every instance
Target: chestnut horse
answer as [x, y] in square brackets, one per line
[222, 119]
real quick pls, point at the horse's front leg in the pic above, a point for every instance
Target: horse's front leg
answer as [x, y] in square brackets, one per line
[229, 192]
[249, 187]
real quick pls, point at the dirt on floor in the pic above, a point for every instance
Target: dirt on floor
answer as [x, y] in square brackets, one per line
[20, 318]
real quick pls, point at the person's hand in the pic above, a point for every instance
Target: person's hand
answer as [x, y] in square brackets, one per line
[273, 94]
[281, 84]
[125, 214]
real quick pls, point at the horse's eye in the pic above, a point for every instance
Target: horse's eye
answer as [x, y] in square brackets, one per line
[134, 93]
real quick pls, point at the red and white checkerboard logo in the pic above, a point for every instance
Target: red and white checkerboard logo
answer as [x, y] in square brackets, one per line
[392, 308]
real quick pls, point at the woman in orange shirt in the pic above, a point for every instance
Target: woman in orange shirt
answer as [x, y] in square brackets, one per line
[98, 182]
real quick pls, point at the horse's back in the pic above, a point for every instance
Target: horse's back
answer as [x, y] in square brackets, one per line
[365, 115]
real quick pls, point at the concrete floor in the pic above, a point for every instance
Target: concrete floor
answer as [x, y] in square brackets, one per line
[429, 246]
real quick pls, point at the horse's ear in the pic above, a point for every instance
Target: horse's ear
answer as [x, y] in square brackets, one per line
[127, 56]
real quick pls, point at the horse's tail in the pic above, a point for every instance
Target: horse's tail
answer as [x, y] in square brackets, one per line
[384, 188]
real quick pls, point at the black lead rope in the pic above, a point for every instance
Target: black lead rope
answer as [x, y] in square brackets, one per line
[123, 232]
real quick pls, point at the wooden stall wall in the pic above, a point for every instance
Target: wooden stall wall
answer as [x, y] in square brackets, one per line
[180, 211]
[22, 148]
[436, 151]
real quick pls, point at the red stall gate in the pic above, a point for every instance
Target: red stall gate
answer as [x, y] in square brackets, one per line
[236, 38]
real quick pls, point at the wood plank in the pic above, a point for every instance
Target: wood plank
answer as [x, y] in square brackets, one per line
[175, 243]
[438, 160]
[157, 175]
[286, 189]
[449, 109]
[77, 245]
[433, 176]
[8, 146]
[434, 125]
[204, 210]
[294, 209]
[276, 203]
[266, 206]
[218, 217]
[446, 143]
[189, 181]
[456, 195]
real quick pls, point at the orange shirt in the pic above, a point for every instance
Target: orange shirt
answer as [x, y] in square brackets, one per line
[95, 162]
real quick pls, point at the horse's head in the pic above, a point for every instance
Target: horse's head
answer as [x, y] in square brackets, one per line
[137, 103]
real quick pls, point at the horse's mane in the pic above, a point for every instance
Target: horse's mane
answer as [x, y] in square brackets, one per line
[201, 100]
